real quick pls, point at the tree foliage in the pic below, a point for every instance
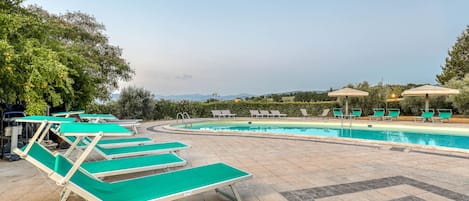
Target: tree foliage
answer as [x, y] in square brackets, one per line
[460, 101]
[58, 60]
[136, 103]
[311, 96]
[457, 62]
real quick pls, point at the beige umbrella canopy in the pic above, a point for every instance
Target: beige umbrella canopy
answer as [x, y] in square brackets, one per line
[347, 92]
[429, 90]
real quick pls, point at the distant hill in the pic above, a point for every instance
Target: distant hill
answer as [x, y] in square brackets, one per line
[204, 97]
[193, 97]
[201, 97]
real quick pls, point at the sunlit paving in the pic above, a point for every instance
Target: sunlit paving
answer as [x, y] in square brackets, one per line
[234, 100]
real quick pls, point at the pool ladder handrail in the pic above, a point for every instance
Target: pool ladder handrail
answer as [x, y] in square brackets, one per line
[184, 115]
[342, 121]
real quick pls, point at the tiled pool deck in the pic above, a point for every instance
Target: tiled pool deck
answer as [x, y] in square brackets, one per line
[290, 169]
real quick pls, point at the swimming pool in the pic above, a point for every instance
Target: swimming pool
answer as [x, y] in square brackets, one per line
[422, 137]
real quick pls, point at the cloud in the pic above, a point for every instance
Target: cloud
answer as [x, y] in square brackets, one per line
[184, 77]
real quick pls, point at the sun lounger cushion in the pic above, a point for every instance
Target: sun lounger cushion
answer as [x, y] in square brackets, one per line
[113, 141]
[142, 148]
[125, 164]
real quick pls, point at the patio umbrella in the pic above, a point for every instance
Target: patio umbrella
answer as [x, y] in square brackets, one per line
[429, 90]
[347, 92]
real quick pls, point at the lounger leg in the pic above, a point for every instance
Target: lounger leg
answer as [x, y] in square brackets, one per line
[235, 192]
[64, 194]
[44, 133]
[33, 139]
[73, 146]
[80, 159]
[234, 197]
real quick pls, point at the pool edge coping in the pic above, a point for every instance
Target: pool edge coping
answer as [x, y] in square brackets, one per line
[378, 144]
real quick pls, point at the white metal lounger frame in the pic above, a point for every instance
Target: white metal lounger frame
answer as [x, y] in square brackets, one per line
[40, 133]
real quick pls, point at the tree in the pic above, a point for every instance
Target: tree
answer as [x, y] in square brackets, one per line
[30, 68]
[302, 97]
[277, 98]
[136, 103]
[375, 99]
[457, 61]
[58, 60]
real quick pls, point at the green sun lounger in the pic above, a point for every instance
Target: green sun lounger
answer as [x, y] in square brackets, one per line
[88, 129]
[97, 117]
[444, 114]
[113, 142]
[109, 118]
[426, 115]
[165, 186]
[378, 113]
[106, 168]
[393, 113]
[130, 151]
[68, 114]
[356, 112]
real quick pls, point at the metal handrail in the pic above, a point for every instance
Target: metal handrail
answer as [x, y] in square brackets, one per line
[184, 115]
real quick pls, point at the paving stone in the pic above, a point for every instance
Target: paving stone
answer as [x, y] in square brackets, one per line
[408, 198]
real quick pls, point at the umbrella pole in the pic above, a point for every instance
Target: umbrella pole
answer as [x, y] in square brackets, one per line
[427, 102]
[346, 105]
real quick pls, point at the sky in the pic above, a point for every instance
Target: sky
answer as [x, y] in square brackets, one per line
[270, 46]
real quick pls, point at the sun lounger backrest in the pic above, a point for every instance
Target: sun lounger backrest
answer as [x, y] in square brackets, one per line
[378, 112]
[61, 166]
[325, 112]
[428, 114]
[304, 112]
[357, 112]
[337, 112]
[264, 112]
[393, 112]
[444, 113]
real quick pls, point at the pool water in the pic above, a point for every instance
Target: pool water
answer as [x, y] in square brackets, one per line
[420, 138]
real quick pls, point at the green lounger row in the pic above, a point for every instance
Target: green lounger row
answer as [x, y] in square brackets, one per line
[443, 114]
[166, 186]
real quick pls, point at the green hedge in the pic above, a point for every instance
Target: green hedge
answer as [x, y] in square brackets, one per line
[168, 110]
